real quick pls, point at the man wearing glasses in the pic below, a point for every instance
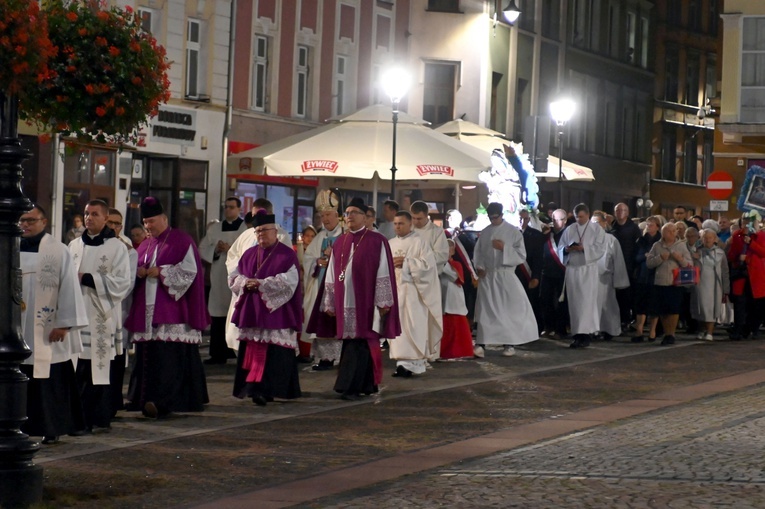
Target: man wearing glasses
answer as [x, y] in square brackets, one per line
[213, 249]
[268, 314]
[167, 318]
[51, 291]
[117, 369]
[103, 267]
[358, 303]
[503, 311]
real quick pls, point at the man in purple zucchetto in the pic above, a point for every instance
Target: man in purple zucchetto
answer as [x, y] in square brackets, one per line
[167, 318]
[268, 315]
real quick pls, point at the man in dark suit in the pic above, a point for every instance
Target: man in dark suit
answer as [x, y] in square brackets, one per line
[530, 272]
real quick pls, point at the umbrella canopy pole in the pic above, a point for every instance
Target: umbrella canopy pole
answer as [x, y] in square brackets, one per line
[375, 181]
[457, 196]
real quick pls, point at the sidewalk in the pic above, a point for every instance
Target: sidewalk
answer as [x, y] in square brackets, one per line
[236, 453]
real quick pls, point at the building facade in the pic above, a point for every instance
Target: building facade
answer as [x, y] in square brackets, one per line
[687, 102]
[740, 135]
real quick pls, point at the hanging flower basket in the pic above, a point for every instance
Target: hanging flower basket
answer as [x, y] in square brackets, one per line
[24, 46]
[107, 78]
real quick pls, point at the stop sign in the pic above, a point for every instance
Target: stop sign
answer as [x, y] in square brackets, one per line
[720, 185]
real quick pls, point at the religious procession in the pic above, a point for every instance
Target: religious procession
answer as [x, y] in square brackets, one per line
[354, 288]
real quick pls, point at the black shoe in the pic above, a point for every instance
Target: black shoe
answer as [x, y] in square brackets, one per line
[384, 345]
[211, 361]
[651, 340]
[150, 410]
[302, 359]
[50, 440]
[402, 372]
[350, 397]
[637, 339]
[607, 336]
[82, 432]
[259, 400]
[323, 365]
[668, 340]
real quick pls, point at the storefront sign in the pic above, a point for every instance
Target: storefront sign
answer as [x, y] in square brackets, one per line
[174, 126]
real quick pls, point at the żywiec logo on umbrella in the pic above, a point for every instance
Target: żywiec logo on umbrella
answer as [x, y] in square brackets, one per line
[434, 169]
[319, 165]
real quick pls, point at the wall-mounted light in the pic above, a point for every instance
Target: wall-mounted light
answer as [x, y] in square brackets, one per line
[511, 12]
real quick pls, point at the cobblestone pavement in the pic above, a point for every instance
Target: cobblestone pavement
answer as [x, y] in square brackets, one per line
[699, 455]
[235, 448]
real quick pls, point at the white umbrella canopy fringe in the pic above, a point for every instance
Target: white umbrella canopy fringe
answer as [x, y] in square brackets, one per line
[360, 144]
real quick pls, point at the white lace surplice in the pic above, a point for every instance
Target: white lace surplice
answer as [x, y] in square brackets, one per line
[178, 279]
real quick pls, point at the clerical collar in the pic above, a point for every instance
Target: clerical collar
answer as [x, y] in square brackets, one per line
[359, 230]
[31, 244]
[98, 240]
[231, 226]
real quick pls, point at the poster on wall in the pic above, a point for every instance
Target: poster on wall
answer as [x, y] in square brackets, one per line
[752, 195]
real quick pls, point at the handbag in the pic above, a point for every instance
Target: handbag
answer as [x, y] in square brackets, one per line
[686, 276]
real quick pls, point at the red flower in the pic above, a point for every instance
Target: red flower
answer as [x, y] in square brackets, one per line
[90, 89]
[119, 111]
[100, 111]
[83, 32]
[100, 41]
[136, 80]
[114, 51]
[71, 16]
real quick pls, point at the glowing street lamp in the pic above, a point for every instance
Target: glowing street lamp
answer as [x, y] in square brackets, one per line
[561, 110]
[395, 83]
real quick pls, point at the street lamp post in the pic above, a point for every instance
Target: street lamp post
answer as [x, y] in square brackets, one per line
[561, 110]
[20, 479]
[396, 84]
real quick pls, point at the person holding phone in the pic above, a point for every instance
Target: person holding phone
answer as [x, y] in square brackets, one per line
[747, 263]
[583, 244]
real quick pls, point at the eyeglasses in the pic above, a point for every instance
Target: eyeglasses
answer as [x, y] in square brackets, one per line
[113, 223]
[353, 213]
[29, 220]
[258, 231]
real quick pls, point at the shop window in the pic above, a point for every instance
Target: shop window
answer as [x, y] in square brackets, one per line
[340, 82]
[88, 175]
[303, 85]
[671, 69]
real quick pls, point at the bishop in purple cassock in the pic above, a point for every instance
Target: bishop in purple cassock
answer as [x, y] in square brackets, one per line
[358, 303]
[268, 314]
[167, 318]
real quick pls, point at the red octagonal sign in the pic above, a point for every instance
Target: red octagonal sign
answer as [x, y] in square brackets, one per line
[720, 185]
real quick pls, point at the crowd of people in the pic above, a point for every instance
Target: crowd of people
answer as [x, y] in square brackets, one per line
[350, 291]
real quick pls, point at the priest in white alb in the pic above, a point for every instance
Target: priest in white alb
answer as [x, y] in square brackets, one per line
[612, 276]
[102, 263]
[503, 311]
[213, 249]
[583, 245]
[51, 307]
[419, 300]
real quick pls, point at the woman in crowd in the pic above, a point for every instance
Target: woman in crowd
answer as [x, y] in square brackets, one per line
[665, 256]
[712, 291]
[747, 266]
[681, 228]
[644, 278]
[686, 319]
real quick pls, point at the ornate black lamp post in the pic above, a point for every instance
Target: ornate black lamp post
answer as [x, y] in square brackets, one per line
[20, 479]
[395, 84]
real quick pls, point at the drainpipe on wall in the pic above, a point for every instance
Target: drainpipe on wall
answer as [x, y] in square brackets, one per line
[229, 108]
